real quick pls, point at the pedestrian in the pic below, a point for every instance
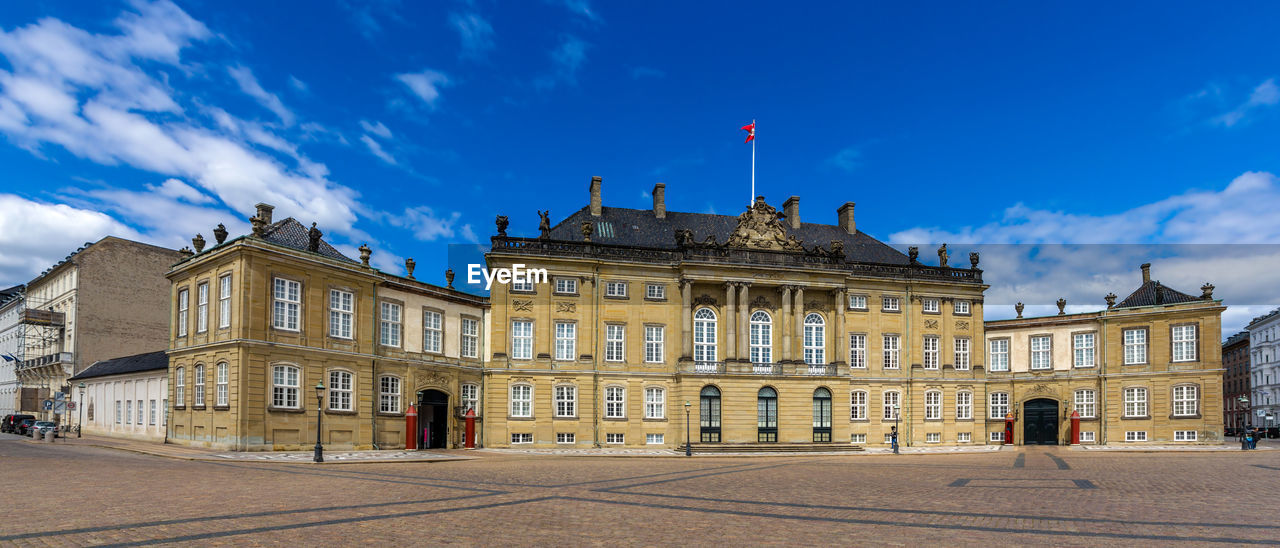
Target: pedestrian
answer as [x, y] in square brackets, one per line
[1253, 439]
[893, 438]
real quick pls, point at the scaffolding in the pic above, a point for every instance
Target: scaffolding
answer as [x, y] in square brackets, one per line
[43, 366]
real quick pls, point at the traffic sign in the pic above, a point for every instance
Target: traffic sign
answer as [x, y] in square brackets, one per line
[71, 406]
[47, 405]
[59, 396]
[59, 408]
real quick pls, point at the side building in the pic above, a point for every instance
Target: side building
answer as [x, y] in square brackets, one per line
[1264, 370]
[1235, 382]
[124, 397]
[10, 348]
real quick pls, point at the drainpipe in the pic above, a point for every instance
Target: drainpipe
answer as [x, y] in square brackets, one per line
[906, 314]
[376, 400]
[1102, 385]
[595, 358]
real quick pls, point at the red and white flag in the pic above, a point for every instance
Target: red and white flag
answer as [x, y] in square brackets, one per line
[751, 131]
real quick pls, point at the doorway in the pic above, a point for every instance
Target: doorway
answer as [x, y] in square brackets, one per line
[433, 419]
[709, 415]
[767, 415]
[1040, 422]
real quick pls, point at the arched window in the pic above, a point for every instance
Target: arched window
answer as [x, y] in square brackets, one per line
[284, 386]
[767, 415]
[340, 391]
[522, 400]
[709, 421]
[822, 415]
[704, 335]
[815, 340]
[220, 378]
[761, 337]
[180, 387]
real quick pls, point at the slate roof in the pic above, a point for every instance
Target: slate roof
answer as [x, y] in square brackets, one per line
[1146, 295]
[293, 234]
[6, 294]
[1236, 339]
[640, 228]
[151, 361]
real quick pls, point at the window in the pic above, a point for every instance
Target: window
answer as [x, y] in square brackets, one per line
[962, 354]
[891, 344]
[815, 340]
[470, 338]
[1184, 343]
[614, 402]
[390, 324]
[197, 394]
[525, 284]
[220, 385]
[655, 403]
[999, 407]
[653, 348]
[858, 405]
[284, 386]
[566, 400]
[521, 340]
[389, 394]
[890, 403]
[858, 438]
[654, 439]
[960, 307]
[933, 437]
[930, 352]
[999, 354]
[128, 412]
[1135, 436]
[933, 405]
[1135, 402]
[224, 301]
[761, 337]
[565, 437]
[341, 311]
[1083, 345]
[1087, 437]
[521, 438]
[152, 415]
[566, 286]
[767, 415]
[997, 436]
[704, 335]
[1184, 401]
[179, 387]
[614, 342]
[929, 306]
[964, 437]
[1184, 435]
[822, 415]
[1087, 404]
[1135, 346]
[432, 331]
[857, 302]
[889, 304]
[286, 301]
[857, 351]
[164, 415]
[655, 292]
[614, 438]
[615, 289]
[470, 398]
[183, 304]
[1040, 353]
[140, 413]
[202, 308]
[964, 405]
[521, 400]
[339, 391]
[119, 418]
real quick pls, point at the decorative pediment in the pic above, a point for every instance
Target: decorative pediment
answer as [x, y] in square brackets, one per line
[760, 227]
[761, 302]
[704, 299]
[431, 378]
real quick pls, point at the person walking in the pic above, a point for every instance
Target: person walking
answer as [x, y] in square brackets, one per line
[1253, 439]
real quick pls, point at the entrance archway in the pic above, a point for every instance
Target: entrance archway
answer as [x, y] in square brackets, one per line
[1040, 422]
[433, 419]
[709, 421]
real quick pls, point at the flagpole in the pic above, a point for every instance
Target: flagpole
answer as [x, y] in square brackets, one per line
[753, 165]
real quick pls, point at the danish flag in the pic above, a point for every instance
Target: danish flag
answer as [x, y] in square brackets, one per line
[751, 131]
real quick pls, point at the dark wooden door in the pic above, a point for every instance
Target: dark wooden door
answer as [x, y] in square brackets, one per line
[1040, 422]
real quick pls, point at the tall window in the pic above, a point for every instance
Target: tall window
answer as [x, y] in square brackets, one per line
[566, 400]
[432, 332]
[470, 338]
[858, 405]
[815, 340]
[999, 354]
[962, 353]
[1184, 400]
[198, 388]
[964, 405]
[930, 352]
[761, 337]
[339, 391]
[1087, 404]
[1135, 402]
[653, 343]
[1135, 346]
[655, 403]
[709, 414]
[184, 299]
[341, 310]
[890, 402]
[615, 402]
[566, 341]
[521, 400]
[522, 340]
[179, 387]
[202, 308]
[389, 394]
[284, 386]
[128, 411]
[614, 342]
[1082, 343]
[390, 324]
[151, 416]
[767, 415]
[704, 335]
[220, 379]
[857, 351]
[821, 415]
[999, 405]
[1040, 353]
[891, 348]
[118, 412]
[224, 301]
[933, 405]
[286, 301]
[1184, 343]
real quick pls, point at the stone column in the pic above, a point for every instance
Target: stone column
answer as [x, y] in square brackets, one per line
[744, 322]
[840, 338]
[686, 319]
[797, 349]
[730, 345]
[782, 323]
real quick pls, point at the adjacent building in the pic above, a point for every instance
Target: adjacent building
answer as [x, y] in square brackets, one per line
[10, 343]
[1235, 381]
[1264, 369]
[123, 397]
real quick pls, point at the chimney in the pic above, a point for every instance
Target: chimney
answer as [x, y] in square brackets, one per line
[845, 215]
[264, 212]
[1146, 273]
[595, 196]
[660, 200]
[791, 208]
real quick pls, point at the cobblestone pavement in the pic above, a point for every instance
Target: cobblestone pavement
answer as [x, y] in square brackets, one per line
[68, 494]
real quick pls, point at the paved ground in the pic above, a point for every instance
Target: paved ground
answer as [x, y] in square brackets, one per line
[84, 495]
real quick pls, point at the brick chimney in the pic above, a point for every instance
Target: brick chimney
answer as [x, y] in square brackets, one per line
[845, 216]
[791, 208]
[595, 196]
[264, 212]
[1146, 273]
[660, 200]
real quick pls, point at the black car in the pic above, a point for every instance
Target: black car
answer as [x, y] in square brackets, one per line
[10, 422]
[24, 427]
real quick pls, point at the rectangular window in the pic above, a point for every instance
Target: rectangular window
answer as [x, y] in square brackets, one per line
[183, 304]
[1184, 401]
[614, 439]
[286, 296]
[857, 351]
[999, 407]
[164, 414]
[889, 304]
[198, 386]
[152, 415]
[521, 400]
[1135, 435]
[999, 354]
[614, 402]
[932, 405]
[566, 286]
[565, 437]
[341, 311]
[615, 289]
[930, 306]
[128, 412]
[340, 391]
[1087, 403]
[962, 354]
[470, 338]
[390, 323]
[1185, 435]
[614, 342]
[1083, 345]
[964, 405]
[432, 332]
[202, 308]
[1086, 437]
[858, 438]
[1135, 346]
[566, 401]
[389, 394]
[997, 436]
[1040, 352]
[964, 437]
[566, 341]
[961, 307]
[141, 413]
[471, 398]
[1184, 343]
[890, 405]
[1135, 402]
[858, 405]
[655, 403]
[933, 437]
[930, 352]
[891, 348]
[521, 340]
[224, 301]
[119, 419]
[656, 292]
[654, 439]
[220, 380]
[179, 387]
[653, 346]
[284, 389]
[524, 284]
[521, 438]
[857, 302]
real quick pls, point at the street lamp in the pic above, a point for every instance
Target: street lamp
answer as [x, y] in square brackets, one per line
[688, 442]
[319, 418]
[896, 432]
[80, 407]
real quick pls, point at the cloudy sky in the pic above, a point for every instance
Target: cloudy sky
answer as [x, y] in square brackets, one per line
[409, 125]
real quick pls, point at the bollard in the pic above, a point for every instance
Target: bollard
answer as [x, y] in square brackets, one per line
[48, 437]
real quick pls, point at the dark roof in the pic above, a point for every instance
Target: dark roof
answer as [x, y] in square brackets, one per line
[640, 228]
[1242, 336]
[150, 361]
[293, 234]
[6, 294]
[1262, 318]
[1153, 293]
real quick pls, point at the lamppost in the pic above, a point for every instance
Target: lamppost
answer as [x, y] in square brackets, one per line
[896, 432]
[319, 418]
[688, 442]
[80, 408]
[1244, 430]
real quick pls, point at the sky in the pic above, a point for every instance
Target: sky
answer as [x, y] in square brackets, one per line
[1006, 128]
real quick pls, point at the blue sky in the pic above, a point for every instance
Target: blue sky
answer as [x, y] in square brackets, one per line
[408, 126]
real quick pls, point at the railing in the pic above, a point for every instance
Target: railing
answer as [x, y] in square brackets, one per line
[766, 368]
[821, 369]
[60, 357]
[708, 367]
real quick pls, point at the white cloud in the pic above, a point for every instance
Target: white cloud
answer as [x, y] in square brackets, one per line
[35, 235]
[250, 86]
[377, 150]
[847, 160]
[178, 190]
[475, 32]
[426, 84]
[376, 129]
[298, 85]
[427, 226]
[1265, 95]
[582, 8]
[567, 58]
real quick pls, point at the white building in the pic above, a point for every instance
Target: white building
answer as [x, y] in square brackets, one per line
[1264, 369]
[10, 349]
[123, 397]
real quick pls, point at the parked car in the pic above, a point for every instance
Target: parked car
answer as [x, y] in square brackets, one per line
[10, 422]
[24, 426]
[1229, 432]
[45, 426]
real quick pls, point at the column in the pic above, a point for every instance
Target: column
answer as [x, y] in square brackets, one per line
[841, 339]
[797, 323]
[730, 330]
[744, 322]
[782, 323]
[686, 319]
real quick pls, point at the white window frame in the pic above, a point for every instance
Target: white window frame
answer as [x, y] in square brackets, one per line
[522, 339]
[997, 405]
[760, 337]
[388, 394]
[997, 435]
[655, 291]
[892, 349]
[888, 399]
[815, 339]
[1084, 350]
[184, 303]
[341, 313]
[566, 341]
[1086, 403]
[566, 437]
[1186, 400]
[224, 301]
[999, 350]
[521, 400]
[615, 402]
[933, 405]
[704, 335]
[857, 351]
[340, 390]
[119, 412]
[1186, 435]
[654, 343]
[179, 387]
[929, 351]
[286, 299]
[1135, 346]
[521, 438]
[202, 307]
[566, 286]
[615, 343]
[1135, 402]
[615, 438]
[470, 338]
[858, 439]
[933, 437]
[197, 385]
[389, 320]
[221, 377]
[1041, 352]
[930, 306]
[1184, 342]
[960, 307]
[1135, 435]
[152, 414]
[566, 400]
[651, 438]
[964, 405]
[964, 437]
[432, 332]
[128, 411]
[1087, 437]
[962, 353]
[470, 397]
[286, 388]
[857, 302]
[858, 405]
[890, 304]
[524, 285]
[655, 403]
[615, 289]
